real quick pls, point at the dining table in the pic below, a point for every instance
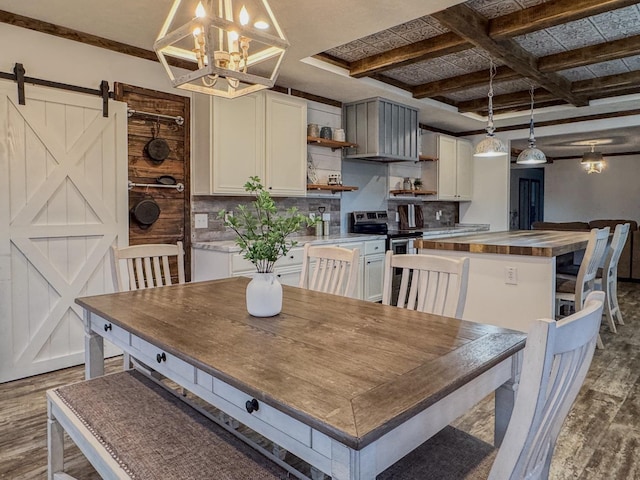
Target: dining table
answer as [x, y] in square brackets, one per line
[346, 385]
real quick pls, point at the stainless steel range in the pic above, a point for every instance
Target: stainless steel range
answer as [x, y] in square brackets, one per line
[398, 241]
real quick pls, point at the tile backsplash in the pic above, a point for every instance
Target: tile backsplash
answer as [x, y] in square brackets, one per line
[217, 231]
[448, 217]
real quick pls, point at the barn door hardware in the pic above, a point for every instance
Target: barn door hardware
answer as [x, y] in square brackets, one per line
[19, 77]
[178, 186]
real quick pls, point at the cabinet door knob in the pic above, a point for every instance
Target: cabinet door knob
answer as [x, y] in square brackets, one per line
[252, 405]
[107, 327]
[161, 357]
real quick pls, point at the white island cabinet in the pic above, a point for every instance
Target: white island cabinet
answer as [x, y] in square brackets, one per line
[262, 134]
[214, 260]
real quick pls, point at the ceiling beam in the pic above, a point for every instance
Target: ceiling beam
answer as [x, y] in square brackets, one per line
[601, 52]
[86, 38]
[548, 14]
[416, 52]
[580, 57]
[506, 101]
[474, 27]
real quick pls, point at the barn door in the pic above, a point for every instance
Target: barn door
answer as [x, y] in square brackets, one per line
[63, 203]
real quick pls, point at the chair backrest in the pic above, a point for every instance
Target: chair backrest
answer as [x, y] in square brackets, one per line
[593, 258]
[615, 250]
[147, 266]
[429, 283]
[556, 359]
[330, 269]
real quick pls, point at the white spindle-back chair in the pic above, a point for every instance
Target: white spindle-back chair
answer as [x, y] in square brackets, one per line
[430, 283]
[147, 266]
[609, 281]
[330, 269]
[556, 359]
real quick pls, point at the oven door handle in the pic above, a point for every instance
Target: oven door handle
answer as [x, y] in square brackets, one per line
[399, 241]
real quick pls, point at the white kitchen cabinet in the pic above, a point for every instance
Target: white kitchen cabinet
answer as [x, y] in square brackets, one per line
[209, 264]
[373, 277]
[452, 174]
[262, 134]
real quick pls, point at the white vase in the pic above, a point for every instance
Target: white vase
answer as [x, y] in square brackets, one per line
[264, 295]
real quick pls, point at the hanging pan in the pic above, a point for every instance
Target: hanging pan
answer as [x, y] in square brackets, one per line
[145, 212]
[157, 148]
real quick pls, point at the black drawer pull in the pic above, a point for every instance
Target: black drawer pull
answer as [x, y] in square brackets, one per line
[107, 327]
[252, 405]
[161, 357]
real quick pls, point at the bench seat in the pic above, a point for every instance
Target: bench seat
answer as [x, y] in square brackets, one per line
[129, 427]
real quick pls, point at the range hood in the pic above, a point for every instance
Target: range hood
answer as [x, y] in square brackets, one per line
[384, 131]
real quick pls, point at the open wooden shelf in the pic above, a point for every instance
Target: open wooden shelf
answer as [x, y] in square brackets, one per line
[331, 188]
[332, 144]
[427, 158]
[412, 192]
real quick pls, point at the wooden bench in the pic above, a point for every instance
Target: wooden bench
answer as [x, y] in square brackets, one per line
[128, 426]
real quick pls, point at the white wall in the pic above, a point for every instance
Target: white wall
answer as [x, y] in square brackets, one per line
[490, 192]
[53, 58]
[572, 194]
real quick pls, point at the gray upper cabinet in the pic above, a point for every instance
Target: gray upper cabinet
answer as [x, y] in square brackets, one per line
[384, 131]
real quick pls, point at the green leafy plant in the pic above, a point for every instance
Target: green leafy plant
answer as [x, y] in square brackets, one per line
[262, 232]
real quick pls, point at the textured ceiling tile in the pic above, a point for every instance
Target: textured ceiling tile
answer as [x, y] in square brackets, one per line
[612, 67]
[493, 8]
[390, 43]
[577, 34]
[530, 3]
[619, 23]
[469, 60]
[422, 33]
[470, 94]
[379, 37]
[632, 63]
[575, 74]
[539, 44]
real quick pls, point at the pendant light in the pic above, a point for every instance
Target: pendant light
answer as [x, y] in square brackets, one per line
[490, 146]
[592, 161]
[531, 155]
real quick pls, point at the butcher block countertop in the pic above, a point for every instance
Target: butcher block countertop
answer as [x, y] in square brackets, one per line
[538, 243]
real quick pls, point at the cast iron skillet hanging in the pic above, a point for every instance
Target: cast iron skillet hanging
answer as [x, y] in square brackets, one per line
[157, 148]
[145, 212]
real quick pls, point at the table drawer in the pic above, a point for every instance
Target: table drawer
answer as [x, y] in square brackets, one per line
[293, 257]
[109, 331]
[376, 246]
[269, 415]
[162, 361]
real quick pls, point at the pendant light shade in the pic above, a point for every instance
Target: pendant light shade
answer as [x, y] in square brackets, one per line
[531, 155]
[490, 146]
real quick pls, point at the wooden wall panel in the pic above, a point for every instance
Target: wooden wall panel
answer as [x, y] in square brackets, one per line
[174, 223]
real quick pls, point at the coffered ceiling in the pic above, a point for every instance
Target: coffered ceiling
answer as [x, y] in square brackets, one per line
[582, 56]
[571, 51]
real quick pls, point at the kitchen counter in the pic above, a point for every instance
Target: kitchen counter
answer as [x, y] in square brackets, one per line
[541, 243]
[512, 275]
[229, 246]
[458, 229]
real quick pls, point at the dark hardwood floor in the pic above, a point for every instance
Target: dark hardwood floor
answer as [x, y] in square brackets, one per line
[599, 440]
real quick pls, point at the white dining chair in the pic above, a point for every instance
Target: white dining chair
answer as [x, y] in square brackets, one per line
[429, 283]
[608, 281]
[330, 269]
[556, 359]
[148, 266]
[571, 293]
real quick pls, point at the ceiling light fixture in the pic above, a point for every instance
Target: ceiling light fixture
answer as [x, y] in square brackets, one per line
[592, 161]
[531, 155]
[490, 146]
[217, 40]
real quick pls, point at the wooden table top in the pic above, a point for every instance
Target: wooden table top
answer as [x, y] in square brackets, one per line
[352, 369]
[539, 243]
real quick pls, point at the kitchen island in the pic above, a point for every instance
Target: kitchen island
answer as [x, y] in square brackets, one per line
[512, 275]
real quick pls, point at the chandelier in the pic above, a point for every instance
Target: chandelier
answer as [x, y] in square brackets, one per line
[231, 54]
[490, 146]
[531, 155]
[592, 161]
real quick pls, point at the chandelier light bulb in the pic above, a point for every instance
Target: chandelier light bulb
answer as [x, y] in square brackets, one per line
[244, 16]
[261, 25]
[200, 11]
